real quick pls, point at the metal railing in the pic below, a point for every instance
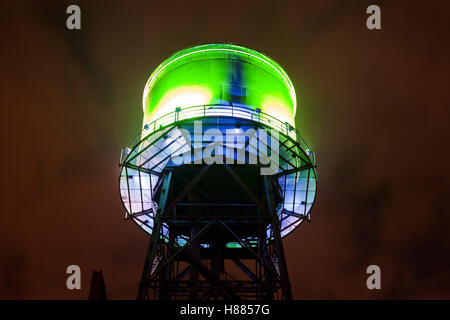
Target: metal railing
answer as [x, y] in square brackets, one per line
[214, 110]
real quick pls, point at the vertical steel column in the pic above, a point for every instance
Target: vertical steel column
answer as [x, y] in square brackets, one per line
[266, 295]
[284, 277]
[155, 237]
[195, 250]
[166, 277]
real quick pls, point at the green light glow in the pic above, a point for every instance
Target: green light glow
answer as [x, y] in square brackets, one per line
[219, 74]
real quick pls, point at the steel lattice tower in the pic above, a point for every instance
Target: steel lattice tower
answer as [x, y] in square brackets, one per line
[218, 176]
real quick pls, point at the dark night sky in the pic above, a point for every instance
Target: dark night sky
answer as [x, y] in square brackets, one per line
[374, 105]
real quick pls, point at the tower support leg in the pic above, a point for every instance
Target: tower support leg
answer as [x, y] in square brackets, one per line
[279, 250]
[205, 275]
[154, 239]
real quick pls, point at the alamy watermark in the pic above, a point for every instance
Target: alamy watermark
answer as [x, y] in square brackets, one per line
[374, 280]
[230, 146]
[73, 21]
[373, 21]
[74, 279]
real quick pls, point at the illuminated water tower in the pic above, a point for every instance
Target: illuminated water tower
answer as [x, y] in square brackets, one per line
[218, 176]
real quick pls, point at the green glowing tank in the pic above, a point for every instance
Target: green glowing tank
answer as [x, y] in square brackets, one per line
[219, 74]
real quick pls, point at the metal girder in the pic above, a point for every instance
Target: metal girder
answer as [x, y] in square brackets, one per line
[184, 248]
[284, 277]
[154, 239]
[293, 214]
[137, 168]
[150, 144]
[226, 290]
[245, 245]
[246, 270]
[304, 167]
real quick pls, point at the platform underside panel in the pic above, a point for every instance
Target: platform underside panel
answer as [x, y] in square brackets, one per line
[193, 144]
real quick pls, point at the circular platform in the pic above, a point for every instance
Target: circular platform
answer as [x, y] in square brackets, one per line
[171, 141]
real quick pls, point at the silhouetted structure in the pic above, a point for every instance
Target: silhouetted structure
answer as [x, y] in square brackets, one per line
[97, 290]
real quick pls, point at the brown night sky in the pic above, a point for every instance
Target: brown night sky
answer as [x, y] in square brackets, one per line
[373, 105]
